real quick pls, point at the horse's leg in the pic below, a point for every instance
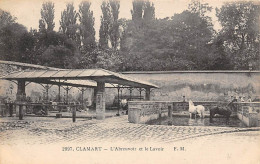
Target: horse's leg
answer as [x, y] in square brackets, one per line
[211, 115]
[200, 114]
[227, 121]
[190, 115]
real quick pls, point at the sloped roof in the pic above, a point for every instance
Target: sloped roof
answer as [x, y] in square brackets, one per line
[78, 77]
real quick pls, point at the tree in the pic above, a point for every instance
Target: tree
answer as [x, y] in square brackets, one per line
[26, 46]
[149, 11]
[68, 23]
[108, 59]
[105, 25]
[193, 34]
[6, 18]
[57, 56]
[201, 8]
[47, 17]
[219, 58]
[56, 50]
[240, 32]
[137, 11]
[16, 44]
[87, 30]
[10, 36]
[42, 26]
[182, 42]
[114, 31]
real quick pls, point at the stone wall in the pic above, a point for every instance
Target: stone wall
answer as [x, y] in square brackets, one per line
[200, 85]
[144, 111]
[248, 113]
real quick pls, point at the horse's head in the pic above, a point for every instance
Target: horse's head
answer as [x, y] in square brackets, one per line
[231, 104]
[234, 100]
[191, 103]
[214, 109]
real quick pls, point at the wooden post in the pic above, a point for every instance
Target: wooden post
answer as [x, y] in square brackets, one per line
[140, 93]
[82, 98]
[100, 101]
[118, 101]
[95, 96]
[47, 92]
[130, 89]
[147, 94]
[20, 111]
[67, 95]
[170, 115]
[11, 109]
[46, 109]
[73, 113]
[59, 93]
[20, 98]
[170, 112]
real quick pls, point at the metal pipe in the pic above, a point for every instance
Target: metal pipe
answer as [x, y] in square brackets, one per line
[82, 97]
[140, 91]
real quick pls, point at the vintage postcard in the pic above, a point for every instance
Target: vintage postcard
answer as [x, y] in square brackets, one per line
[129, 81]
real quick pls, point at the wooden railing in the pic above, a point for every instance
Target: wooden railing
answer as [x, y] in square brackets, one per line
[36, 107]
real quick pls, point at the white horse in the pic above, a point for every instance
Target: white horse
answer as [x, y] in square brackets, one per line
[196, 109]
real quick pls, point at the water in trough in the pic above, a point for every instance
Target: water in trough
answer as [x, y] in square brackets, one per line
[186, 121]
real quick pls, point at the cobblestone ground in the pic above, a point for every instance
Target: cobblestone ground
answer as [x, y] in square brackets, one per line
[42, 140]
[46, 130]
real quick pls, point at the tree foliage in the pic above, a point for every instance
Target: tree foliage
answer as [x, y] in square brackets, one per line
[87, 30]
[149, 11]
[109, 59]
[182, 42]
[6, 18]
[57, 56]
[185, 41]
[188, 40]
[105, 25]
[240, 32]
[47, 17]
[68, 23]
[142, 13]
[114, 34]
[200, 8]
[10, 39]
[137, 11]
[15, 42]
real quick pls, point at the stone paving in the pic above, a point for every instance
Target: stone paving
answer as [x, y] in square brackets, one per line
[44, 130]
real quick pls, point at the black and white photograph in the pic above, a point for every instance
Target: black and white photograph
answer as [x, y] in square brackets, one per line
[129, 81]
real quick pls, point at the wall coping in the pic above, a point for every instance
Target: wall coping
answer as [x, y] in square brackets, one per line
[172, 101]
[193, 71]
[28, 65]
[193, 101]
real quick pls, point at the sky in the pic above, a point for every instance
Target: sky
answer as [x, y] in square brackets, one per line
[27, 12]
